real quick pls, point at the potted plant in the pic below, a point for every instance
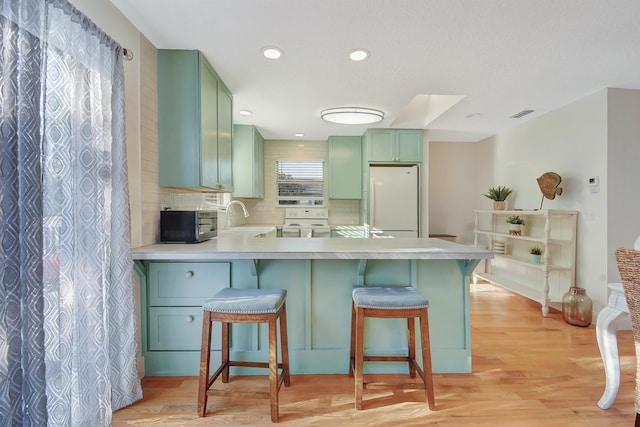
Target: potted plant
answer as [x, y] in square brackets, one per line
[536, 254]
[515, 225]
[498, 195]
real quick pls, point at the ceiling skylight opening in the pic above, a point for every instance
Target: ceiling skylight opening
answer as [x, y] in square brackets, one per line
[352, 115]
[271, 52]
[359, 54]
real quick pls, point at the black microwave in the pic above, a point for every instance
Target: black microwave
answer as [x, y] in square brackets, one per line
[187, 226]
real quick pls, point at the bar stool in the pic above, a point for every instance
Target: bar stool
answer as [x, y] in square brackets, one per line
[390, 302]
[232, 305]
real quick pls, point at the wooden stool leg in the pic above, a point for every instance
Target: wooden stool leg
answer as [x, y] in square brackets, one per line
[205, 357]
[284, 347]
[359, 356]
[273, 367]
[225, 352]
[426, 358]
[411, 326]
[352, 348]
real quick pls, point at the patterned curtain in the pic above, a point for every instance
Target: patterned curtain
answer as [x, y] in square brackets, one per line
[67, 321]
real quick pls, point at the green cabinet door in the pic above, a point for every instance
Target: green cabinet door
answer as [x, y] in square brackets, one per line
[225, 139]
[248, 162]
[209, 127]
[393, 145]
[409, 145]
[194, 123]
[345, 167]
[380, 145]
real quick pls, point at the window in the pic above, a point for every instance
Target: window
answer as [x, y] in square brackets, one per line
[300, 182]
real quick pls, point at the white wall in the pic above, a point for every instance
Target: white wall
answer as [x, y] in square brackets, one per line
[571, 141]
[459, 173]
[594, 136]
[623, 178]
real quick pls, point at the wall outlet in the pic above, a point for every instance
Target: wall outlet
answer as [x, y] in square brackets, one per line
[589, 215]
[594, 180]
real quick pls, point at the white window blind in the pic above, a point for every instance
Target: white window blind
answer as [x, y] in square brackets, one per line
[300, 182]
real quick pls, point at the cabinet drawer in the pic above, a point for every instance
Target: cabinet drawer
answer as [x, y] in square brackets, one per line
[186, 283]
[178, 328]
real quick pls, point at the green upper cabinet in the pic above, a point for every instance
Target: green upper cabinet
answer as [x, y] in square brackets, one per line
[345, 167]
[248, 162]
[225, 139]
[194, 123]
[393, 145]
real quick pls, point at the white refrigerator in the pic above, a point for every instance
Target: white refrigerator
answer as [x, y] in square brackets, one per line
[393, 201]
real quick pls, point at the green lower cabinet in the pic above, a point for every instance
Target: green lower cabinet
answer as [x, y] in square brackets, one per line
[175, 293]
[175, 328]
[318, 313]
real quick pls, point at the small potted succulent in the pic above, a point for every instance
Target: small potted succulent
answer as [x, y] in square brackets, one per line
[536, 254]
[498, 195]
[515, 225]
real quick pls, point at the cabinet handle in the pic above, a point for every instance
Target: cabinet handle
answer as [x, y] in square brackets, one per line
[190, 319]
[189, 274]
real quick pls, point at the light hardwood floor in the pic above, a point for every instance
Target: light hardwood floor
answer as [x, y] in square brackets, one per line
[527, 371]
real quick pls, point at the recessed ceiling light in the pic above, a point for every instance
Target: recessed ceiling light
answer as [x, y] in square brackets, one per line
[271, 52]
[352, 115]
[245, 112]
[359, 54]
[299, 135]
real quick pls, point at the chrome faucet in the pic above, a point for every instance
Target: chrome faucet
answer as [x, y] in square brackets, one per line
[245, 212]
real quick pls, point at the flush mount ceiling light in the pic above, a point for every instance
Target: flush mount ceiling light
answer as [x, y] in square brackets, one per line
[271, 52]
[245, 112]
[352, 115]
[359, 54]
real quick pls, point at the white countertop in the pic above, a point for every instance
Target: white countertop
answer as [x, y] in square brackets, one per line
[242, 244]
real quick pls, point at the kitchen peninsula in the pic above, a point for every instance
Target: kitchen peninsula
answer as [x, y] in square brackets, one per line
[318, 274]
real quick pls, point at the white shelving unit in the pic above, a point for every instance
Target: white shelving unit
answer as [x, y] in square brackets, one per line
[552, 230]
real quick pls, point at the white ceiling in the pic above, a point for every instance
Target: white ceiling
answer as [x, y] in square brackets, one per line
[500, 56]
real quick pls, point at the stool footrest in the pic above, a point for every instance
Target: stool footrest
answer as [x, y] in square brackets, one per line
[403, 359]
[216, 391]
[246, 393]
[281, 377]
[379, 385]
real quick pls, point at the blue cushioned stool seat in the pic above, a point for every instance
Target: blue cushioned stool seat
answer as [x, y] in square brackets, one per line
[231, 305]
[391, 302]
[246, 301]
[389, 297]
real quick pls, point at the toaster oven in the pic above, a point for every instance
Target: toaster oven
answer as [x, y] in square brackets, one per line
[187, 226]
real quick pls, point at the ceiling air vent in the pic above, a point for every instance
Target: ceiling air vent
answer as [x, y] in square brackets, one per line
[521, 114]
